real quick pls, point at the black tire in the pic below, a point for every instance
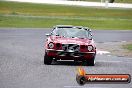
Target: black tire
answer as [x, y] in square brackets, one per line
[47, 59]
[91, 62]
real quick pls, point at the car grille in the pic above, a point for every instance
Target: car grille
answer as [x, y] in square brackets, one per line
[70, 47]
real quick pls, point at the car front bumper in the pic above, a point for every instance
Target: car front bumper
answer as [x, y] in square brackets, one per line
[69, 55]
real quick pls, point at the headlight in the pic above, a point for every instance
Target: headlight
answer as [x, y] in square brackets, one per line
[90, 48]
[51, 45]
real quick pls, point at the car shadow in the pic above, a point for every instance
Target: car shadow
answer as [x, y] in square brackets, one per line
[69, 63]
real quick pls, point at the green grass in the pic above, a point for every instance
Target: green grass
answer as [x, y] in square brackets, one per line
[123, 1]
[13, 14]
[16, 21]
[128, 46]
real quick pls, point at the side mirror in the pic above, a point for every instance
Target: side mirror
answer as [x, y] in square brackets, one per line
[47, 35]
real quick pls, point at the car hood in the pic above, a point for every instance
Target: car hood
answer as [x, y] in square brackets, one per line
[63, 40]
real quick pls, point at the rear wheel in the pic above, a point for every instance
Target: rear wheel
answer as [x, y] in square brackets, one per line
[47, 59]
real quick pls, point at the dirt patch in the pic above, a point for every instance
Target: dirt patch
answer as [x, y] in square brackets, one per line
[116, 48]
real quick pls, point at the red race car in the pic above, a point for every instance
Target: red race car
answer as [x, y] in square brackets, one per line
[67, 42]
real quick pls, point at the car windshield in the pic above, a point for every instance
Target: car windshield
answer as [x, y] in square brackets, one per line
[71, 32]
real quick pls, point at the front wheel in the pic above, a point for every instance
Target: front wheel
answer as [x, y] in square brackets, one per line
[47, 59]
[91, 62]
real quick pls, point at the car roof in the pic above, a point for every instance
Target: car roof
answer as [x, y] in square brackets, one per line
[63, 26]
[71, 26]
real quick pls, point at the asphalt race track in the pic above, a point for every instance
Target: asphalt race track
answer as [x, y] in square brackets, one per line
[21, 61]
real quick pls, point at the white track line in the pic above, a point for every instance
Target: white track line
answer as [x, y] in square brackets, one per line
[78, 3]
[100, 52]
[109, 61]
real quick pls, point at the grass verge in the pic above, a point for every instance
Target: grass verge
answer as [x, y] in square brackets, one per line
[128, 46]
[14, 14]
[46, 21]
